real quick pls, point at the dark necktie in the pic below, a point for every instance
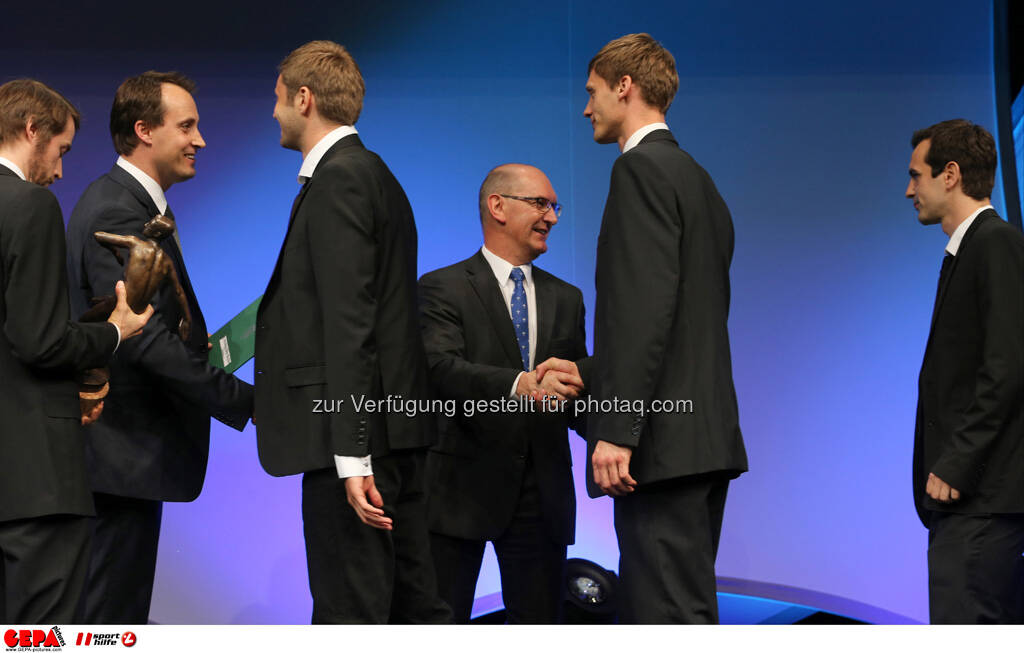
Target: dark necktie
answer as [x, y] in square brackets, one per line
[947, 262]
[521, 316]
[170, 214]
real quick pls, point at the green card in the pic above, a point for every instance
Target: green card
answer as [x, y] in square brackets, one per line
[235, 342]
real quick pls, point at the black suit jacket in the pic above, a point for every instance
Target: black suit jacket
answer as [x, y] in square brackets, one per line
[153, 438]
[660, 330]
[970, 409]
[475, 472]
[338, 321]
[41, 440]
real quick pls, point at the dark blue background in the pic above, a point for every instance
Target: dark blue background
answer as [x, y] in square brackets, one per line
[801, 114]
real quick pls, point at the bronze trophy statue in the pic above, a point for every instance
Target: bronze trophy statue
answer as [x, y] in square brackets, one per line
[147, 270]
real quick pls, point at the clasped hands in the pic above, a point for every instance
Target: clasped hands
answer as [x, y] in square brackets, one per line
[554, 378]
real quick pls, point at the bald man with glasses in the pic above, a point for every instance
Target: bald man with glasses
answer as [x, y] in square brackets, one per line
[503, 474]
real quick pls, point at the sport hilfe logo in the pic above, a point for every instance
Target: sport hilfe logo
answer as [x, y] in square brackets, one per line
[106, 639]
[34, 639]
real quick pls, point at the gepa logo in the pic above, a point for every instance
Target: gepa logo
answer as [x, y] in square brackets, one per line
[18, 640]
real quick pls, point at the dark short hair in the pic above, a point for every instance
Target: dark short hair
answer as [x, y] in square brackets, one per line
[22, 100]
[141, 98]
[330, 72]
[651, 67]
[970, 145]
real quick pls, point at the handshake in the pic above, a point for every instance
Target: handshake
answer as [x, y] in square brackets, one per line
[554, 378]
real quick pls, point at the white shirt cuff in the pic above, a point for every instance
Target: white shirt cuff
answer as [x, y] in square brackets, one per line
[515, 384]
[353, 466]
[118, 329]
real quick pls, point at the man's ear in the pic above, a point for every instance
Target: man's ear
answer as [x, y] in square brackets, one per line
[31, 130]
[624, 86]
[496, 205]
[303, 101]
[143, 132]
[951, 175]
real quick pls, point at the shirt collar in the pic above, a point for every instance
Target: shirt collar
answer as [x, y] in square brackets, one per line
[13, 167]
[320, 149]
[639, 134]
[152, 188]
[958, 234]
[502, 268]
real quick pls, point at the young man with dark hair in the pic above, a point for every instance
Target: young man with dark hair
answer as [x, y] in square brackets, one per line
[152, 442]
[969, 437]
[45, 500]
[660, 334]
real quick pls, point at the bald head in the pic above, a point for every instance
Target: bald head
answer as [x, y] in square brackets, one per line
[506, 178]
[513, 213]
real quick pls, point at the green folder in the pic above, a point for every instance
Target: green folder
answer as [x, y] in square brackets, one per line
[235, 343]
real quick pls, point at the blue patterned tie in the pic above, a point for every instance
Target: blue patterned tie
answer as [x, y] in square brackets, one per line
[521, 316]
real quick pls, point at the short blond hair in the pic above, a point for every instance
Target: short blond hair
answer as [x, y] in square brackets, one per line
[330, 72]
[651, 67]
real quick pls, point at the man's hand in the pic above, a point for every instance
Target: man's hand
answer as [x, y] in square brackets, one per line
[611, 468]
[527, 384]
[93, 414]
[129, 322]
[360, 489]
[209, 345]
[940, 490]
[559, 378]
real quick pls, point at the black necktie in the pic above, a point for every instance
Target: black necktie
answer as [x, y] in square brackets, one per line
[947, 262]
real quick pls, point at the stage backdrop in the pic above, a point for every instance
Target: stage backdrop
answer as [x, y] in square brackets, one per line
[802, 114]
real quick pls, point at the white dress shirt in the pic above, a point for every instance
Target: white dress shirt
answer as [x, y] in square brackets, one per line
[958, 234]
[312, 159]
[13, 167]
[502, 269]
[639, 134]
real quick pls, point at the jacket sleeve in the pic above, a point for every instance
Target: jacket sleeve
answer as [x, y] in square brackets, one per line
[637, 292]
[36, 294]
[999, 382]
[158, 349]
[584, 363]
[452, 376]
[342, 242]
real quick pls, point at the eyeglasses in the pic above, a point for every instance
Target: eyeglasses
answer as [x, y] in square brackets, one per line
[542, 204]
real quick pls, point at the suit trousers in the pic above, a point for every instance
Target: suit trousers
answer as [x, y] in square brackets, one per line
[360, 574]
[668, 540]
[531, 563]
[43, 569]
[123, 560]
[975, 569]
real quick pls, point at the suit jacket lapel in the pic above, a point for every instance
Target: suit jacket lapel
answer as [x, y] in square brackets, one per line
[546, 300]
[481, 278]
[984, 215]
[944, 288]
[346, 142]
[121, 176]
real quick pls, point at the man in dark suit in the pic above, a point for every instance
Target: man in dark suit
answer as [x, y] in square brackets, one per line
[504, 476]
[969, 437]
[45, 501]
[671, 441]
[152, 442]
[337, 332]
